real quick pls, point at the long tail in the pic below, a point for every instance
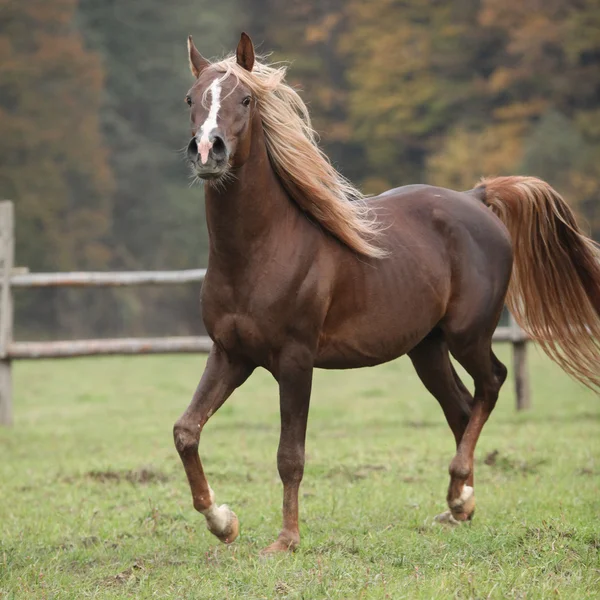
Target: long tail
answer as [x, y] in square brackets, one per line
[554, 293]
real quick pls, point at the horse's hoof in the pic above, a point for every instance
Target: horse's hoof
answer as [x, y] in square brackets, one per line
[281, 544]
[446, 518]
[229, 533]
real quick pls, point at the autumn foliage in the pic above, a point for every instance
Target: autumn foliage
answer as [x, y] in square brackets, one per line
[54, 161]
[445, 92]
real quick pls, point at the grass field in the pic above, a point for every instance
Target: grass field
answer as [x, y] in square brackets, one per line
[94, 502]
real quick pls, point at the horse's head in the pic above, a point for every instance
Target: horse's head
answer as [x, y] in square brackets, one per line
[221, 109]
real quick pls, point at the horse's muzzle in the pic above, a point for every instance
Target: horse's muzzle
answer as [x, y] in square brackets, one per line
[208, 157]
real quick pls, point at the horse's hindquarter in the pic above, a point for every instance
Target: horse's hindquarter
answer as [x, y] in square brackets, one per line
[381, 309]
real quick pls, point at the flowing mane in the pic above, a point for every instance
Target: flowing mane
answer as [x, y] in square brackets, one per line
[305, 170]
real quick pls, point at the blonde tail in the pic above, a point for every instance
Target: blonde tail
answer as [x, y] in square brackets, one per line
[554, 293]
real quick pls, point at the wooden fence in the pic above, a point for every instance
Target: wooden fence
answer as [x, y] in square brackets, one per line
[12, 350]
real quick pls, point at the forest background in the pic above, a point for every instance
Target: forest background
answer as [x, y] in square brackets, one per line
[92, 118]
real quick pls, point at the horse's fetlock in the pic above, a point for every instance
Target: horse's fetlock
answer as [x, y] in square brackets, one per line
[459, 470]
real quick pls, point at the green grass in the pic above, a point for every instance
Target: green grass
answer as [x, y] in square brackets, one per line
[94, 502]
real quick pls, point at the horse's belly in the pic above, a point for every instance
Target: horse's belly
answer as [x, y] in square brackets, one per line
[372, 342]
[379, 314]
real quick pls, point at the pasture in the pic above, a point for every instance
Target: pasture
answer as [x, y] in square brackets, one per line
[94, 502]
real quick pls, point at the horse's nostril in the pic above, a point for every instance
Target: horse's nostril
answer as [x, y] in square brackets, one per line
[218, 147]
[192, 149]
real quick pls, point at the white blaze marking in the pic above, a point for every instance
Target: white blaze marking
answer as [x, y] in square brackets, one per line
[204, 144]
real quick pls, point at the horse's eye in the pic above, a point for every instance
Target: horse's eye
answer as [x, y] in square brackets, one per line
[246, 101]
[188, 100]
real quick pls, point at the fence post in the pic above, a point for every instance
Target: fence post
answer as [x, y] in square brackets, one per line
[6, 309]
[519, 344]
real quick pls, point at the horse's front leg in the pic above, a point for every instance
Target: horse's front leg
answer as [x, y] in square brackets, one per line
[221, 376]
[295, 379]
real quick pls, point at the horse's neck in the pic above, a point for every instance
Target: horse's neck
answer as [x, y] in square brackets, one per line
[243, 214]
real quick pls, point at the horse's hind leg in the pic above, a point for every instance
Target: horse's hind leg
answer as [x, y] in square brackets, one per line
[431, 360]
[473, 350]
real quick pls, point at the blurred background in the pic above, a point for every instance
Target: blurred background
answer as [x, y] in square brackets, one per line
[92, 118]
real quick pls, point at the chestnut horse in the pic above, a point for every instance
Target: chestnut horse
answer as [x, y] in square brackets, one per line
[305, 272]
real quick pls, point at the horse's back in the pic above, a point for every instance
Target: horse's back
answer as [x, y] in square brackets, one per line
[448, 215]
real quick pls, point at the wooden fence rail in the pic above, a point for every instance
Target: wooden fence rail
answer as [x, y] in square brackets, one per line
[11, 350]
[101, 279]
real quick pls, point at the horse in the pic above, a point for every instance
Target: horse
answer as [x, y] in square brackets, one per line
[305, 272]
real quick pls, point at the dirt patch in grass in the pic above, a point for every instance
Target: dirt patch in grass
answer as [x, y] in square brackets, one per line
[354, 473]
[144, 475]
[593, 541]
[127, 576]
[588, 471]
[507, 464]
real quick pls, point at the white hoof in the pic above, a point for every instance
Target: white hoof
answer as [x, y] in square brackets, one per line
[218, 518]
[221, 521]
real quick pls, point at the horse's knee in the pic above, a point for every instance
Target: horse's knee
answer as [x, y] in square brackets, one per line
[186, 437]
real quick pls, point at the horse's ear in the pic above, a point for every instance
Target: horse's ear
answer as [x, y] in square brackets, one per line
[245, 52]
[197, 62]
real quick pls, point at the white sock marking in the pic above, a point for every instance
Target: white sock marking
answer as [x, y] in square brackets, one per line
[466, 493]
[204, 144]
[217, 517]
[465, 496]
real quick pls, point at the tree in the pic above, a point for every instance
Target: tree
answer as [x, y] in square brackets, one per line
[413, 69]
[549, 80]
[54, 163]
[307, 35]
[158, 221]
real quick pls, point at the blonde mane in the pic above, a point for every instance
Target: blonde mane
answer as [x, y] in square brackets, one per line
[306, 172]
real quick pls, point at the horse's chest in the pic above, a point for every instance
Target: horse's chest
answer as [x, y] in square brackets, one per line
[258, 322]
[240, 326]
[243, 335]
